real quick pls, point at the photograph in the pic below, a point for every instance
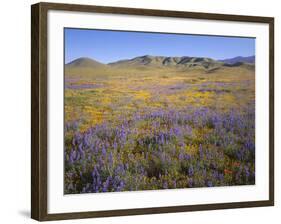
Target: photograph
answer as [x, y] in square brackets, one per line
[154, 111]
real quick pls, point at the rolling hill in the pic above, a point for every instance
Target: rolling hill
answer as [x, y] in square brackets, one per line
[239, 59]
[85, 63]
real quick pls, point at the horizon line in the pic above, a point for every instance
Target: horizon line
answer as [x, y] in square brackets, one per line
[124, 59]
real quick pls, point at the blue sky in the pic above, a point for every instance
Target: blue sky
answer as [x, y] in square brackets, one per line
[108, 46]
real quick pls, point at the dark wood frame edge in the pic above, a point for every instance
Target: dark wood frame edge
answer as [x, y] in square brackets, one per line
[39, 110]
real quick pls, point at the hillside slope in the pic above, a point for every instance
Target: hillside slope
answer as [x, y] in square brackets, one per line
[85, 63]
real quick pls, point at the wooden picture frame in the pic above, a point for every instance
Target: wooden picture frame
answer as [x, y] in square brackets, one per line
[39, 110]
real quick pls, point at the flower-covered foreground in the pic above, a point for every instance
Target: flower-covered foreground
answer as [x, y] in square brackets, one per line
[162, 149]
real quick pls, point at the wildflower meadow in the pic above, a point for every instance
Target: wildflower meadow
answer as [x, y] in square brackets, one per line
[134, 130]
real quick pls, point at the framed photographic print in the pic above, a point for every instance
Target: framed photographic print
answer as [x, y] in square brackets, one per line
[139, 111]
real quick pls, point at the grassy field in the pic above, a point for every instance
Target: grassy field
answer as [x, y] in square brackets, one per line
[144, 128]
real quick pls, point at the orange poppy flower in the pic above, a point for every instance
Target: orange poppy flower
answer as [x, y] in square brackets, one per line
[226, 171]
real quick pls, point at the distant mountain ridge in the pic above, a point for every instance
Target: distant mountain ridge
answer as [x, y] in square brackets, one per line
[160, 61]
[184, 61]
[240, 59]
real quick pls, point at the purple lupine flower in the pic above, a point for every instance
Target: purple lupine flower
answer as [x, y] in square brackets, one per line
[81, 151]
[209, 183]
[249, 145]
[106, 185]
[187, 157]
[165, 185]
[190, 182]
[103, 151]
[190, 171]
[240, 154]
[121, 185]
[110, 159]
[181, 156]
[71, 158]
[201, 151]
[176, 131]
[247, 172]
[208, 155]
[215, 175]
[115, 145]
[221, 177]
[162, 139]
